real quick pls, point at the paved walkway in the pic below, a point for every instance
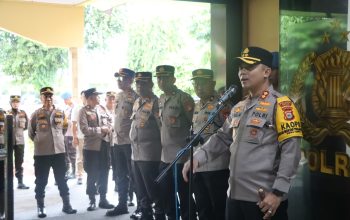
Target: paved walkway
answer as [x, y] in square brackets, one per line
[25, 203]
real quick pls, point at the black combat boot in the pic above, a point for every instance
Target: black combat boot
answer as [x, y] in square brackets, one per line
[41, 208]
[118, 210]
[67, 208]
[21, 185]
[92, 204]
[104, 204]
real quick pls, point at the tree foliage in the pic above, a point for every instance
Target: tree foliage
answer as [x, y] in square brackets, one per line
[30, 62]
[101, 25]
[181, 42]
[33, 63]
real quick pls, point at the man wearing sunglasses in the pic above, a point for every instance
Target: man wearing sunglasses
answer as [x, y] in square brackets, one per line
[264, 135]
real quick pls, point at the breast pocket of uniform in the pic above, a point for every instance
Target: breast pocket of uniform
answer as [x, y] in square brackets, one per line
[127, 110]
[254, 131]
[172, 117]
[22, 122]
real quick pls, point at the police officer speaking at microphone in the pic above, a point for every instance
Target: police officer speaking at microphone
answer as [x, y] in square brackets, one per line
[46, 130]
[264, 135]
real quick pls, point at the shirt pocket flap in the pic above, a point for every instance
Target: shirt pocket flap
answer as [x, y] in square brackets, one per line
[256, 122]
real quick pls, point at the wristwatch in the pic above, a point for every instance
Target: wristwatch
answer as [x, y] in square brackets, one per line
[278, 193]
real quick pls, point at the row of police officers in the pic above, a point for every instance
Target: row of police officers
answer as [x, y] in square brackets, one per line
[247, 150]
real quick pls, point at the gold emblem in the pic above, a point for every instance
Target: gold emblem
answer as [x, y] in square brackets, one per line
[330, 97]
[245, 52]
[199, 72]
[161, 69]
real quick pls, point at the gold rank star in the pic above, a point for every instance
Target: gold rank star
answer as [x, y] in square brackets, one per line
[326, 38]
[344, 35]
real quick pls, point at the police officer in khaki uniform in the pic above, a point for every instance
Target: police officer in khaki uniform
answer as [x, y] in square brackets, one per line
[123, 110]
[176, 111]
[96, 125]
[20, 124]
[263, 133]
[211, 180]
[146, 147]
[2, 177]
[46, 130]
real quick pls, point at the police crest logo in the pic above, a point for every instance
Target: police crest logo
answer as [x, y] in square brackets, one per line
[245, 52]
[329, 97]
[287, 110]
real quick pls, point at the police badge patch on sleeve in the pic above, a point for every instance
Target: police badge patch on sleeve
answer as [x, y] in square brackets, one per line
[287, 119]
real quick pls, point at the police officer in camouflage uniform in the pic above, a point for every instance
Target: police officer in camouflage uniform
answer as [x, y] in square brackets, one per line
[20, 124]
[264, 134]
[146, 147]
[176, 111]
[122, 149]
[46, 130]
[96, 125]
[211, 180]
[2, 174]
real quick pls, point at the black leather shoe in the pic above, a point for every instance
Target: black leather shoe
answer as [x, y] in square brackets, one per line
[118, 210]
[41, 212]
[22, 186]
[69, 210]
[91, 207]
[104, 204]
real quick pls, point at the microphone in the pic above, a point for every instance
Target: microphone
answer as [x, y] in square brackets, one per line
[228, 94]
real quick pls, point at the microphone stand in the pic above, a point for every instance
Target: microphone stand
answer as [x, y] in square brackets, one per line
[189, 146]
